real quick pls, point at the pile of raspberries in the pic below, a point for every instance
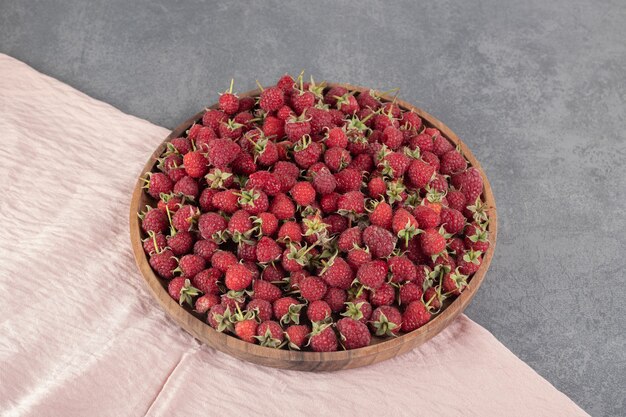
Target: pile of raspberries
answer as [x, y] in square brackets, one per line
[313, 217]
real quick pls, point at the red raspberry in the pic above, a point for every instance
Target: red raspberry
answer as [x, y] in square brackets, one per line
[423, 142]
[164, 263]
[395, 164]
[222, 152]
[415, 316]
[267, 291]
[324, 182]
[347, 104]
[185, 217]
[351, 202]
[206, 199]
[234, 300]
[243, 164]
[205, 248]
[312, 288]
[267, 224]
[285, 83]
[454, 283]
[426, 217]
[290, 232]
[262, 308]
[383, 296]
[456, 200]
[229, 102]
[270, 334]
[159, 183]
[469, 262]
[238, 277]
[336, 223]
[410, 292]
[392, 137]
[318, 310]
[302, 100]
[204, 303]
[337, 158]
[338, 274]
[441, 145]
[357, 257]
[354, 334]
[226, 201]
[452, 220]
[402, 269]
[303, 193]
[348, 180]
[439, 183]
[420, 173]
[476, 238]
[296, 128]
[336, 297]
[432, 242]
[380, 241]
[336, 137]
[195, 164]
[349, 239]
[324, 340]
[206, 281]
[187, 186]
[154, 243]
[386, 321]
[383, 121]
[376, 187]
[246, 330]
[452, 162]
[372, 274]
[306, 153]
[328, 202]
[362, 163]
[205, 137]
[222, 260]
[247, 252]
[282, 207]
[273, 127]
[180, 289]
[181, 242]
[271, 99]
[246, 103]
[431, 159]
[470, 183]
[297, 335]
[287, 310]
[211, 225]
[155, 221]
[411, 121]
[333, 94]
[213, 118]
[267, 250]
[368, 99]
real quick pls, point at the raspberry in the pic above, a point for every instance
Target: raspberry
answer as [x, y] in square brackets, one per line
[272, 99]
[303, 193]
[452, 162]
[354, 334]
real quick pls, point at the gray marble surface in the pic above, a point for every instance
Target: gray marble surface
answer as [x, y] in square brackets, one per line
[536, 89]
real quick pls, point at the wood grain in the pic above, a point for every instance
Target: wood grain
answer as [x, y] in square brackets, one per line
[379, 350]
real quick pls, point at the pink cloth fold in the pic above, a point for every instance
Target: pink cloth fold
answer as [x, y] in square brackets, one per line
[80, 334]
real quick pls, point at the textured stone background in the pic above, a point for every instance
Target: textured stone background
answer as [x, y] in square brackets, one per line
[536, 89]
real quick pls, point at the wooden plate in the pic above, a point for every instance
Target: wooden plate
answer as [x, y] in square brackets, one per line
[379, 350]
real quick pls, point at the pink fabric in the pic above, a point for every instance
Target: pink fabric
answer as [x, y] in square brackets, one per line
[80, 334]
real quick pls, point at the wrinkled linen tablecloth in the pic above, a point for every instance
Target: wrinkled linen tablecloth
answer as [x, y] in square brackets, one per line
[80, 335]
